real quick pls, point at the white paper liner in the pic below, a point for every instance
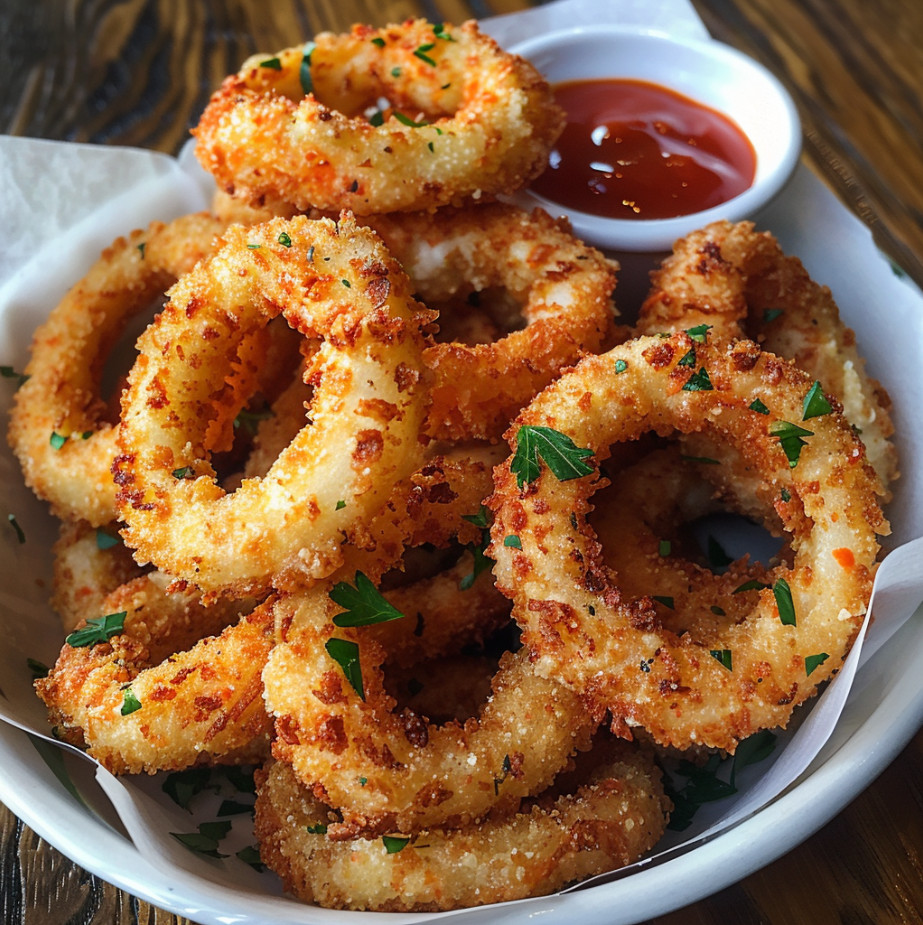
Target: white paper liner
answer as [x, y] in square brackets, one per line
[64, 203]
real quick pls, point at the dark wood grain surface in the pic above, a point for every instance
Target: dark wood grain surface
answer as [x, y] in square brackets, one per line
[137, 72]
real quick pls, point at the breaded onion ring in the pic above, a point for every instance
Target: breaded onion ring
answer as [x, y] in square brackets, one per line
[739, 281]
[333, 281]
[57, 426]
[176, 687]
[466, 119]
[612, 820]
[616, 652]
[563, 286]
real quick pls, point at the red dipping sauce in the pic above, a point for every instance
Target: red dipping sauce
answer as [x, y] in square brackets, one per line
[636, 150]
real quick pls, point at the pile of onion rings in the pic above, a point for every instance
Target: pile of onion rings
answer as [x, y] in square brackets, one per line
[296, 536]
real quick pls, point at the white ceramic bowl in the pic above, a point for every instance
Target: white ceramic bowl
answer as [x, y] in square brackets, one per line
[708, 72]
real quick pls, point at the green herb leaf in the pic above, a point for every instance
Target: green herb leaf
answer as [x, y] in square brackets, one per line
[421, 53]
[251, 855]
[141, 247]
[440, 33]
[254, 247]
[688, 359]
[340, 504]
[249, 421]
[379, 41]
[98, 629]
[717, 611]
[182, 786]
[751, 585]
[406, 120]
[304, 72]
[699, 332]
[346, 655]
[512, 542]
[785, 495]
[664, 547]
[723, 656]
[273, 64]
[363, 604]
[791, 438]
[478, 550]
[783, 595]
[815, 403]
[393, 844]
[7, 372]
[38, 669]
[717, 557]
[57, 440]
[234, 808]
[757, 406]
[620, 366]
[698, 382]
[206, 840]
[770, 314]
[814, 661]
[106, 540]
[317, 829]
[285, 239]
[182, 473]
[130, 703]
[505, 769]
[666, 600]
[377, 118]
[14, 523]
[559, 453]
[395, 72]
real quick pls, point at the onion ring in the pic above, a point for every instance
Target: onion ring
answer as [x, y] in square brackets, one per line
[335, 281]
[468, 120]
[563, 286]
[615, 652]
[740, 282]
[57, 426]
[610, 821]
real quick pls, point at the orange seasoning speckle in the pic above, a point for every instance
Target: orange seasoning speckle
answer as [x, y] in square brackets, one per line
[844, 557]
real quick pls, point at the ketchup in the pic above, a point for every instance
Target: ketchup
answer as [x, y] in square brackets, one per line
[636, 150]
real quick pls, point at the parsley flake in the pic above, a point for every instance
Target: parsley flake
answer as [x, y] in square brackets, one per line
[272, 64]
[505, 768]
[379, 41]
[666, 600]
[478, 550]
[377, 118]
[757, 406]
[130, 703]
[751, 585]
[141, 247]
[688, 359]
[253, 247]
[559, 453]
[346, 283]
[699, 332]
[285, 239]
[393, 844]
[620, 366]
[304, 72]
[205, 841]
[340, 504]
[664, 548]
[182, 786]
[783, 595]
[723, 656]
[7, 372]
[38, 669]
[251, 855]
[98, 629]
[698, 382]
[785, 495]
[406, 120]
[182, 473]
[770, 314]
[791, 439]
[815, 403]
[57, 440]
[421, 53]
[395, 72]
[363, 604]
[317, 829]
[814, 661]
[512, 542]
[440, 32]
[14, 523]
[346, 655]
[717, 611]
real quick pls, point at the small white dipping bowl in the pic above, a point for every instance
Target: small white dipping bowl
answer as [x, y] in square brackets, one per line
[707, 72]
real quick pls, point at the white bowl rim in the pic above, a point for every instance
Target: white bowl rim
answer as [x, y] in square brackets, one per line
[653, 235]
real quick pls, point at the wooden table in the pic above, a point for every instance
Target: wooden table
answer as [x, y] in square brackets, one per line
[138, 72]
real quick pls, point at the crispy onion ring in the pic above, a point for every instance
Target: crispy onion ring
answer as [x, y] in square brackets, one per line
[616, 652]
[191, 673]
[334, 281]
[57, 426]
[563, 286]
[610, 821]
[739, 281]
[489, 121]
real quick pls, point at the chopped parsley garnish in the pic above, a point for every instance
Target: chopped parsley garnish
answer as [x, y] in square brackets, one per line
[698, 382]
[395, 72]
[717, 611]
[340, 504]
[363, 781]
[666, 600]
[791, 438]
[38, 669]
[304, 72]
[478, 550]
[440, 33]
[182, 786]
[98, 629]
[757, 406]
[141, 247]
[57, 440]
[512, 542]
[723, 656]
[770, 314]
[664, 548]
[234, 808]
[317, 829]
[717, 557]
[393, 844]
[14, 523]
[346, 655]
[130, 703]
[346, 283]
[7, 372]
[363, 603]
[285, 239]
[559, 453]
[106, 540]
[182, 473]
[406, 120]
[505, 769]
[814, 661]
[688, 359]
[783, 595]
[421, 53]
[620, 366]
[785, 495]
[254, 247]
[377, 118]
[751, 585]
[251, 855]
[273, 64]
[206, 840]
[815, 403]
[699, 332]
[250, 420]
[379, 41]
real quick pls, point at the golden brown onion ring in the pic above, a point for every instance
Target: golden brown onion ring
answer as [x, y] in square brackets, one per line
[563, 286]
[466, 119]
[328, 280]
[612, 820]
[739, 281]
[615, 651]
[57, 427]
